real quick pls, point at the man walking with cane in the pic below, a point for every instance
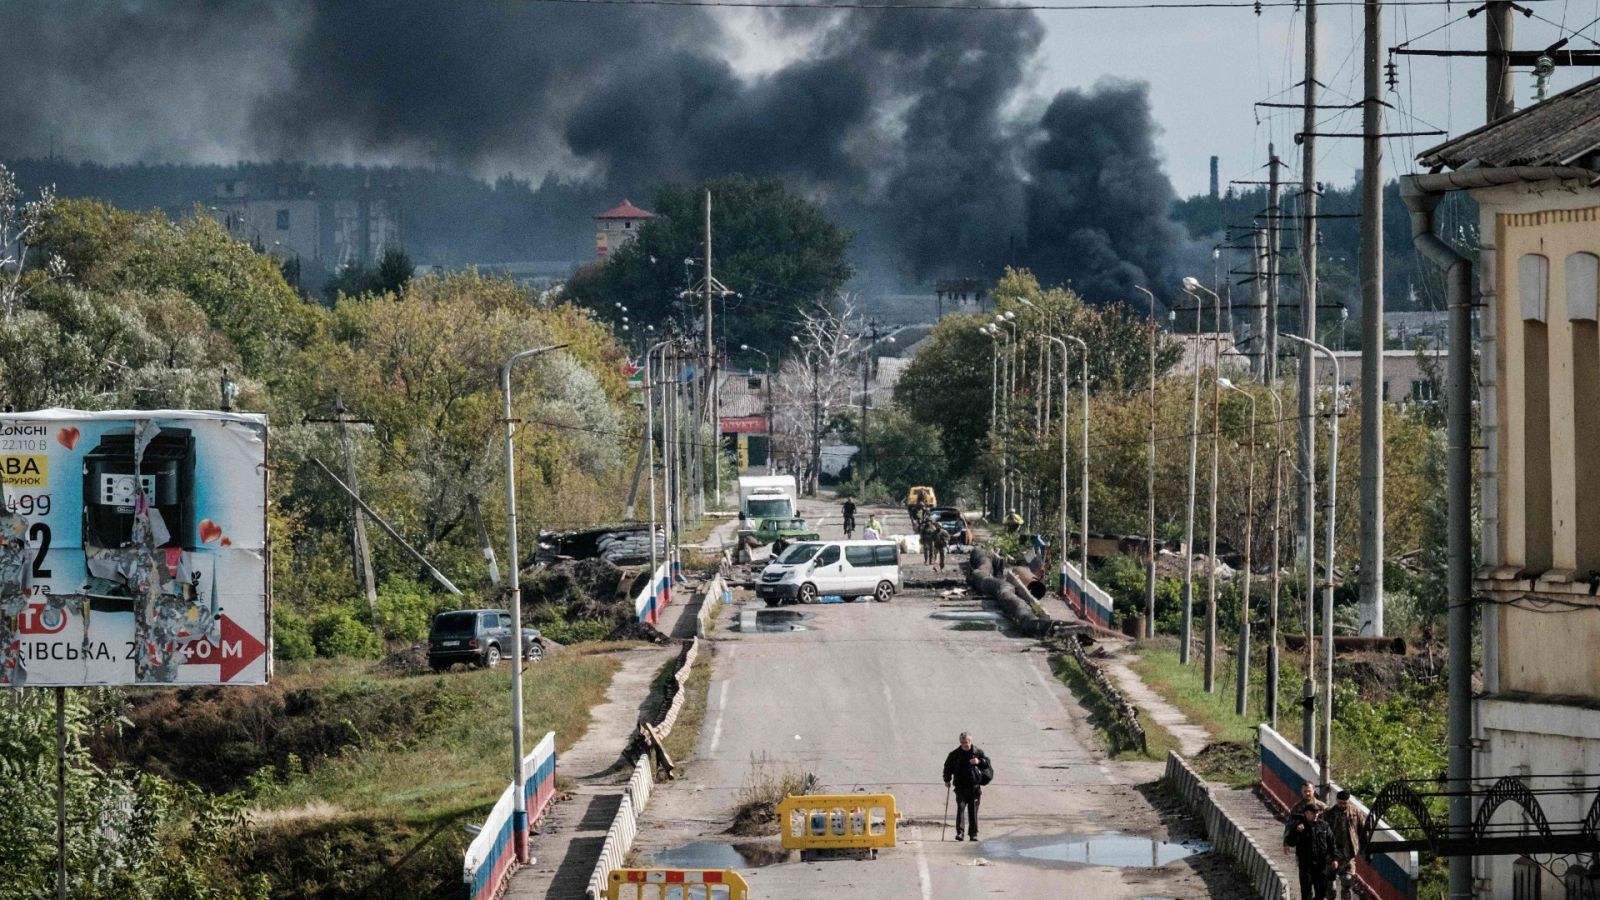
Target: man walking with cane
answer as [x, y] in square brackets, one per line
[967, 769]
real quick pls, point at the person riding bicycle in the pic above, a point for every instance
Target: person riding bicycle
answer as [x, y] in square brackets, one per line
[849, 517]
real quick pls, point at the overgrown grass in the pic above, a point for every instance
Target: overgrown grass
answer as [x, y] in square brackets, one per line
[464, 762]
[1184, 687]
[386, 818]
[1103, 716]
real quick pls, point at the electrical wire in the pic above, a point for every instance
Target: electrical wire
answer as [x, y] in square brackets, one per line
[828, 5]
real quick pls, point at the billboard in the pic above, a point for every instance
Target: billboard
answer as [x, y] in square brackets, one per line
[133, 548]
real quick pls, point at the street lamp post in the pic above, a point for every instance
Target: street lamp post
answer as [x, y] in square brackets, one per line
[1323, 756]
[766, 378]
[1210, 664]
[994, 394]
[1190, 285]
[1279, 452]
[1150, 484]
[519, 815]
[650, 439]
[1083, 487]
[1061, 505]
[1242, 681]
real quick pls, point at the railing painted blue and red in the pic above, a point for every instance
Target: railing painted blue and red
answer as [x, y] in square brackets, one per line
[489, 857]
[1388, 876]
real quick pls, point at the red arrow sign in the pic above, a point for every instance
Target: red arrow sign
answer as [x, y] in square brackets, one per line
[238, 648]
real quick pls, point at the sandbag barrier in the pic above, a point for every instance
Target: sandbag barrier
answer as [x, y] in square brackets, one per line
[1127, 713]
[986, 575]
[1225, 834]
[625, 825]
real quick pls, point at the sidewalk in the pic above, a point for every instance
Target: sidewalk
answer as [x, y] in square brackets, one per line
[1242, 806]
[570, 838]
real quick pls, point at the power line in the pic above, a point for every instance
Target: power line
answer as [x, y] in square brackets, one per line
[969, 7]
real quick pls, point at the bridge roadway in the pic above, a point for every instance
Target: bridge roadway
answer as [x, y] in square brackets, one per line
[871, 697]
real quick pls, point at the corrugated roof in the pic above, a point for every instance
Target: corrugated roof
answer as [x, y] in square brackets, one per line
[625, 210]
[1558, 131]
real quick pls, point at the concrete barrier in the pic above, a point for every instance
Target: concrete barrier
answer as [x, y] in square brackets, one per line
[625, 825]
[655, 596]
[1387, 876]
[1225, 834]
[1087, 599]
[490, 857]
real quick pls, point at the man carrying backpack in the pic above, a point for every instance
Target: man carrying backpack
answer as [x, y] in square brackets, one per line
[967, 769]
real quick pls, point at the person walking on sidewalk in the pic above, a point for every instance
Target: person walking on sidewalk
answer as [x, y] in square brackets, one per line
[1345, 825]
[967, 769]
[1314, 852]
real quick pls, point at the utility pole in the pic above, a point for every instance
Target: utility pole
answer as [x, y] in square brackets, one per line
[873, 335]
[1498, 85]
[1308, 331]
[709, 394]
[1372, 332]
[360, 549]
[1211, 541]
[1274, 240]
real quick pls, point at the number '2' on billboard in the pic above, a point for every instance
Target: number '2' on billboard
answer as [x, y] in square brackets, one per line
[133, 548]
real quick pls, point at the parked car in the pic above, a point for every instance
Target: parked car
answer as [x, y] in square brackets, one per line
[953, 522]
[479, 637]
[809, 571]
[788, 530]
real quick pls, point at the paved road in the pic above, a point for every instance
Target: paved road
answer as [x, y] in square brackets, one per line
[871, 697]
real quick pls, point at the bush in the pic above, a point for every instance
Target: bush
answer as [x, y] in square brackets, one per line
[291, 635]
[406, 608]
[338, 633]
[568, 633]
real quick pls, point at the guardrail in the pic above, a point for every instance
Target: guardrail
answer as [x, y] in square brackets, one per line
[676, 884]
[655, 596]
[837, 821]
[490, 856]
[1087, 599]
[625, 824]
[1225, 834]
[1386, 876]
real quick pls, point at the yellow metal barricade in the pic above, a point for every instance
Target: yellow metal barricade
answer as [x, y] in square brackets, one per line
[837, 821]
[676, 884]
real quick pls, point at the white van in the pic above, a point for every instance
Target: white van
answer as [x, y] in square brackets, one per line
[813, 569]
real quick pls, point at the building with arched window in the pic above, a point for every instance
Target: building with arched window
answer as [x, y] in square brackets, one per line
[1534, 176]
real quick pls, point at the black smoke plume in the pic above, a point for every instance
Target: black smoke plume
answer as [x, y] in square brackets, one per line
[897, 119]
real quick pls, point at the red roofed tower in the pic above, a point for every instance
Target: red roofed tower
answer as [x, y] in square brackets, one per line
[617, 226]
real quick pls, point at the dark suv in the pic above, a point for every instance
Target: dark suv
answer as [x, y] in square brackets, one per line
[479, 637]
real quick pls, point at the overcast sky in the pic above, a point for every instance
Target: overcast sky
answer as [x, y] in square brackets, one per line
[142, 79]
[1206, 68]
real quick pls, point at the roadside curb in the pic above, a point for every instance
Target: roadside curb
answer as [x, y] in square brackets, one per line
[1226, 835]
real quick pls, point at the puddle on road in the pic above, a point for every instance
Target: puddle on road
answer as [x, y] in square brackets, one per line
[770, 621]
[1124, 851]
[717, 855]
[966, 615]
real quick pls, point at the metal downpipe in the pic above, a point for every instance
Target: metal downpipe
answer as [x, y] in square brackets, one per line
[1422, 195]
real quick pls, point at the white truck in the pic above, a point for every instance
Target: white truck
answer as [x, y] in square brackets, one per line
[766, 497]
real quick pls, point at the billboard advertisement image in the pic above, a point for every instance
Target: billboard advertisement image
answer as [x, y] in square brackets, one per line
[133, 548]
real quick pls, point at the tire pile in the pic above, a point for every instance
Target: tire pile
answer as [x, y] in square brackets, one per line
[986, 575]
[623, 545]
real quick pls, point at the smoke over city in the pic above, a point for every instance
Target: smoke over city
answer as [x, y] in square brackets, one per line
[918, 128]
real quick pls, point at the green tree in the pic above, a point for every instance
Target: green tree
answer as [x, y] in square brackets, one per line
[389, 276]
[242, 292]
[777, 250]
[128, 835]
